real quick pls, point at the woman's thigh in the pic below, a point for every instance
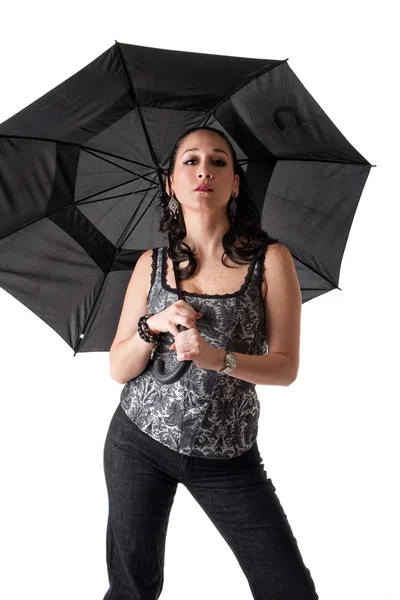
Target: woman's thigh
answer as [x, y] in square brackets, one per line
[242, 503]
[140, 495]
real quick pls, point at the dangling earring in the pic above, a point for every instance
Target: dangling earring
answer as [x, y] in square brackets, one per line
[173, 206]
[233, 207]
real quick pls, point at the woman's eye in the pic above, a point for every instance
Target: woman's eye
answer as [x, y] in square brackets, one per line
[192, 159]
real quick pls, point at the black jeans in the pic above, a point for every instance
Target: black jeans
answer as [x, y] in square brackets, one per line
[142, 477]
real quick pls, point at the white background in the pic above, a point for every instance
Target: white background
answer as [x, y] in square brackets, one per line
[329, 441]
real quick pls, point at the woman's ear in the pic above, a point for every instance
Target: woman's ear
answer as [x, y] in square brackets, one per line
[167, 187]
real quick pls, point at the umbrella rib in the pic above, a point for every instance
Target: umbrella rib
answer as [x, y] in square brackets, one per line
[137, 106]
[84, 202]
[81, 146]
[82, 335]
[79, 203]
[305, 160]
[314, 210]
[308, 266]
[119, 243]
[117, 165]
[336, 287]
[134, 162]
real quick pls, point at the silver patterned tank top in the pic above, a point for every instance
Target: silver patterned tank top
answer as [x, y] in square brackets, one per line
[205, 414]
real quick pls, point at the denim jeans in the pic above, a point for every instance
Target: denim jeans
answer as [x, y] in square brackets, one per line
[142, 477]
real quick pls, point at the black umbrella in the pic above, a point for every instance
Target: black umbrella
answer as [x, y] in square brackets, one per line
[81, 178]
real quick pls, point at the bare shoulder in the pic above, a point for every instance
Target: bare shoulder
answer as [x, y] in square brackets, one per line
[278, 254]
[146, 255]
[276, 258]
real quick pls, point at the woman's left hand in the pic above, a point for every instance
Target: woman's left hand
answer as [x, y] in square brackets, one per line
[191, 346]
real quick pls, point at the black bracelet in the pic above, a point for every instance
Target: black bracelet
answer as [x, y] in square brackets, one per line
[146, 334]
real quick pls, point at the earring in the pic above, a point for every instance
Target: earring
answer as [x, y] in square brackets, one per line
[233, 207]
[173, 206]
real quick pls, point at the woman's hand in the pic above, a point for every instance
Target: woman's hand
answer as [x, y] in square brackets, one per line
[191, 346]
[179, 313]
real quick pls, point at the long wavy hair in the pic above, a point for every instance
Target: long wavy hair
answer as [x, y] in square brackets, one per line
[244, 228]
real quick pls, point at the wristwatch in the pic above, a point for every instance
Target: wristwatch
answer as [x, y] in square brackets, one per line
[230, 362]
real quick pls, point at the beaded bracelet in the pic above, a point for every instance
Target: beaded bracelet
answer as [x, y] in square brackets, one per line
[147, 335]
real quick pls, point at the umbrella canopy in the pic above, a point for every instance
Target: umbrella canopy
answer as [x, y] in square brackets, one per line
[81, 170]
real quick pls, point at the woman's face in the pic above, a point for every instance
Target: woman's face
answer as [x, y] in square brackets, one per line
[210, 163]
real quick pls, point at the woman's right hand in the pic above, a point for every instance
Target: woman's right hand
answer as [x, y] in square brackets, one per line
[179, 313]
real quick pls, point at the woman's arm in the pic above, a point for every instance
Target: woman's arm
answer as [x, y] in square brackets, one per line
[264, 369]
[282, 306]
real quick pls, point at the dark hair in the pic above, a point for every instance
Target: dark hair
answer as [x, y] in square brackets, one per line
[245, 227]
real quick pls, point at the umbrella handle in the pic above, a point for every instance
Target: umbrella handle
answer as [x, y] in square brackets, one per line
[159, 368]
[159, 363]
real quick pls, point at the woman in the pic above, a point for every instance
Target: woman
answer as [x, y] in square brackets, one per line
[201, 431]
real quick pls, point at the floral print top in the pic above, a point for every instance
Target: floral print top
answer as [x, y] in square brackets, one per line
[205, 414]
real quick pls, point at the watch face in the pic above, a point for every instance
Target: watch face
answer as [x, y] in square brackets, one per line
[230, 360]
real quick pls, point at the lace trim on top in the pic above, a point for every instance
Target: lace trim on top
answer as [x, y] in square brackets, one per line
[198, 295]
